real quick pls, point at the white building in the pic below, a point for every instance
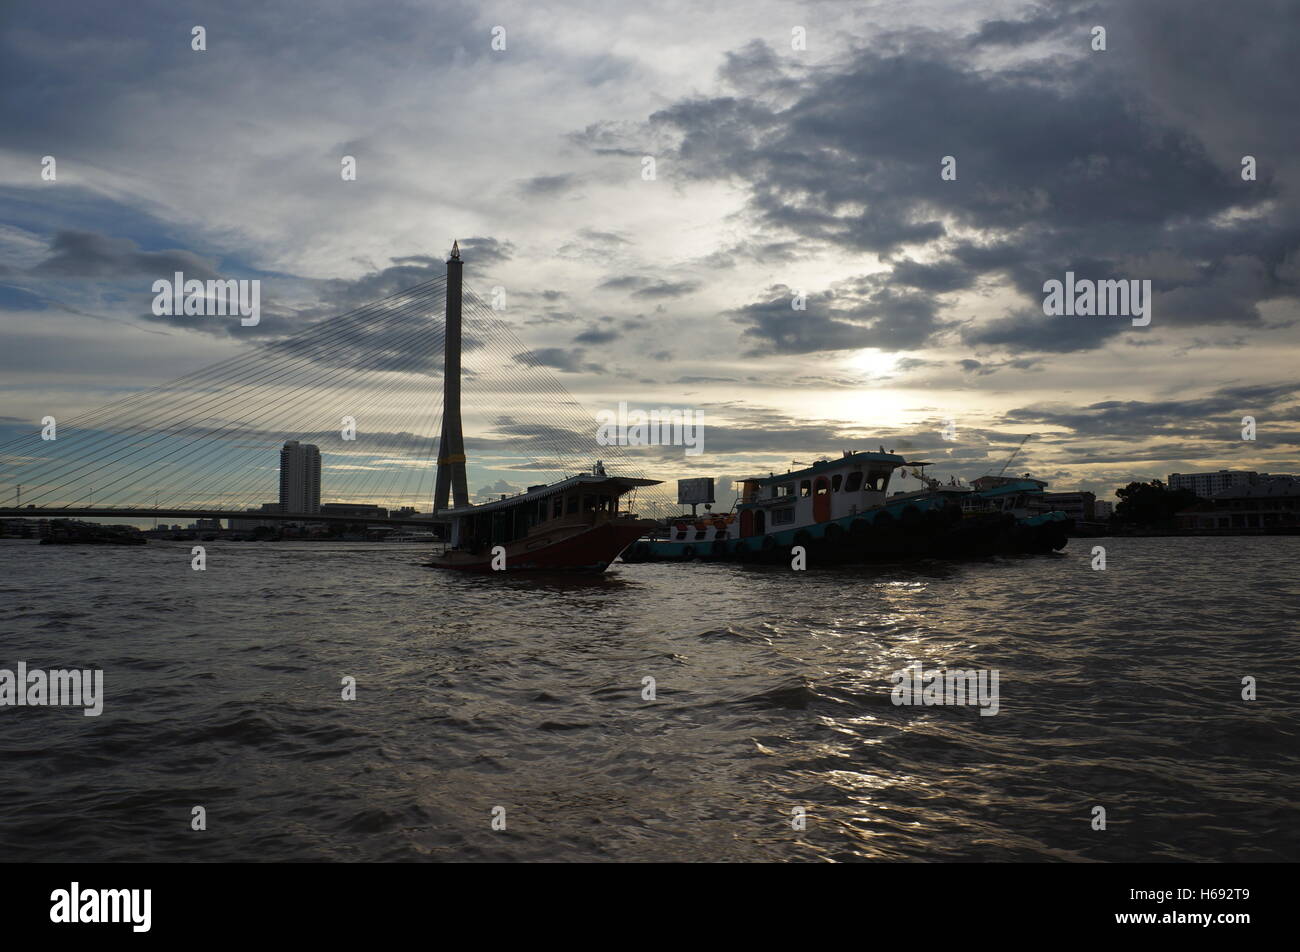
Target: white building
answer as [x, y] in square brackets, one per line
[1079, 506]
[1206, 485]
[299, 477]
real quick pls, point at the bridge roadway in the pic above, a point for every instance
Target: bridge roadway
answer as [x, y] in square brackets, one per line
[82, 512]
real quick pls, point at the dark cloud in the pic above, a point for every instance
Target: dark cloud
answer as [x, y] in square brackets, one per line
[543, 186]
[985, 368]
[85, 254]
[1040, 23]
[1214, 419]
[1085, 161]
[622, 282]
[652, 288]
[666, 289]
[597, 336]
[557, 358]
[912, 363]
[862, 313]
[937, 278]
[485, 252]
[593, 245]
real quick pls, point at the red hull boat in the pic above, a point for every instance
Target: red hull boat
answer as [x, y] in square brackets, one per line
[574, 525]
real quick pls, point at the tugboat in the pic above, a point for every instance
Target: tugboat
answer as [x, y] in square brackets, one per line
[574, 525]
[840, 511]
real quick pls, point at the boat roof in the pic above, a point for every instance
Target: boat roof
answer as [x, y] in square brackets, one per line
[622, 483]
[1021, 485]
[892, 459]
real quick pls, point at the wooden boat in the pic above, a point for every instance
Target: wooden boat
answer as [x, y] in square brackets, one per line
[575, 525]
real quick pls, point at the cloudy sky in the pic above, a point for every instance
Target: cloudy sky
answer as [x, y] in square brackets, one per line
[797, 150]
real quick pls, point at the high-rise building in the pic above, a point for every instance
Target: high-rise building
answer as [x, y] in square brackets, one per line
[1206, 485]
[299, 477]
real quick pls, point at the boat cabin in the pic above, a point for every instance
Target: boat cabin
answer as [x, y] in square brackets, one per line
[1020, 496]
[579, 502]
[828, 489]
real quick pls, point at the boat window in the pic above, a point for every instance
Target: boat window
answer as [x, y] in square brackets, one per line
[835, 482]
[783, 517]
[557, 507]
[822, 487]
[805, 488]
[785, 489]
[854, 482]
[699, 534]
[571, 504]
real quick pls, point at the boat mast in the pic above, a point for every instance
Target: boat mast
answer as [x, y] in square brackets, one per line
[451, 448]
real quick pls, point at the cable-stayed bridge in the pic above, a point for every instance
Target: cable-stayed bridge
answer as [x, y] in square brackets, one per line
[367, 387]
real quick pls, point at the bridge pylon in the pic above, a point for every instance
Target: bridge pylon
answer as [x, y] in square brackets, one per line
[451, 447]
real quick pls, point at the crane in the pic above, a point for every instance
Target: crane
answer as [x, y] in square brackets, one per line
[1014, 453]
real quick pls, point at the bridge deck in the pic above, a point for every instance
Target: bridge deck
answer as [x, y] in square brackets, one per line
[116, 512]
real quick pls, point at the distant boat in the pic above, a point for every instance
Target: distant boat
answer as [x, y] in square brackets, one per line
[839, 510]
[409, 535]
[574, 525]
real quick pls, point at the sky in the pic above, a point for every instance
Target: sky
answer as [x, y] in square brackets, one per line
[798, 159]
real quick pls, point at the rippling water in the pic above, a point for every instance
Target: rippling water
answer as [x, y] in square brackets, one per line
[1118, 688]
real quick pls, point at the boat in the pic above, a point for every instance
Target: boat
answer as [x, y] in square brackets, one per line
[840, 511]
[573, 525]
[410, 535]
